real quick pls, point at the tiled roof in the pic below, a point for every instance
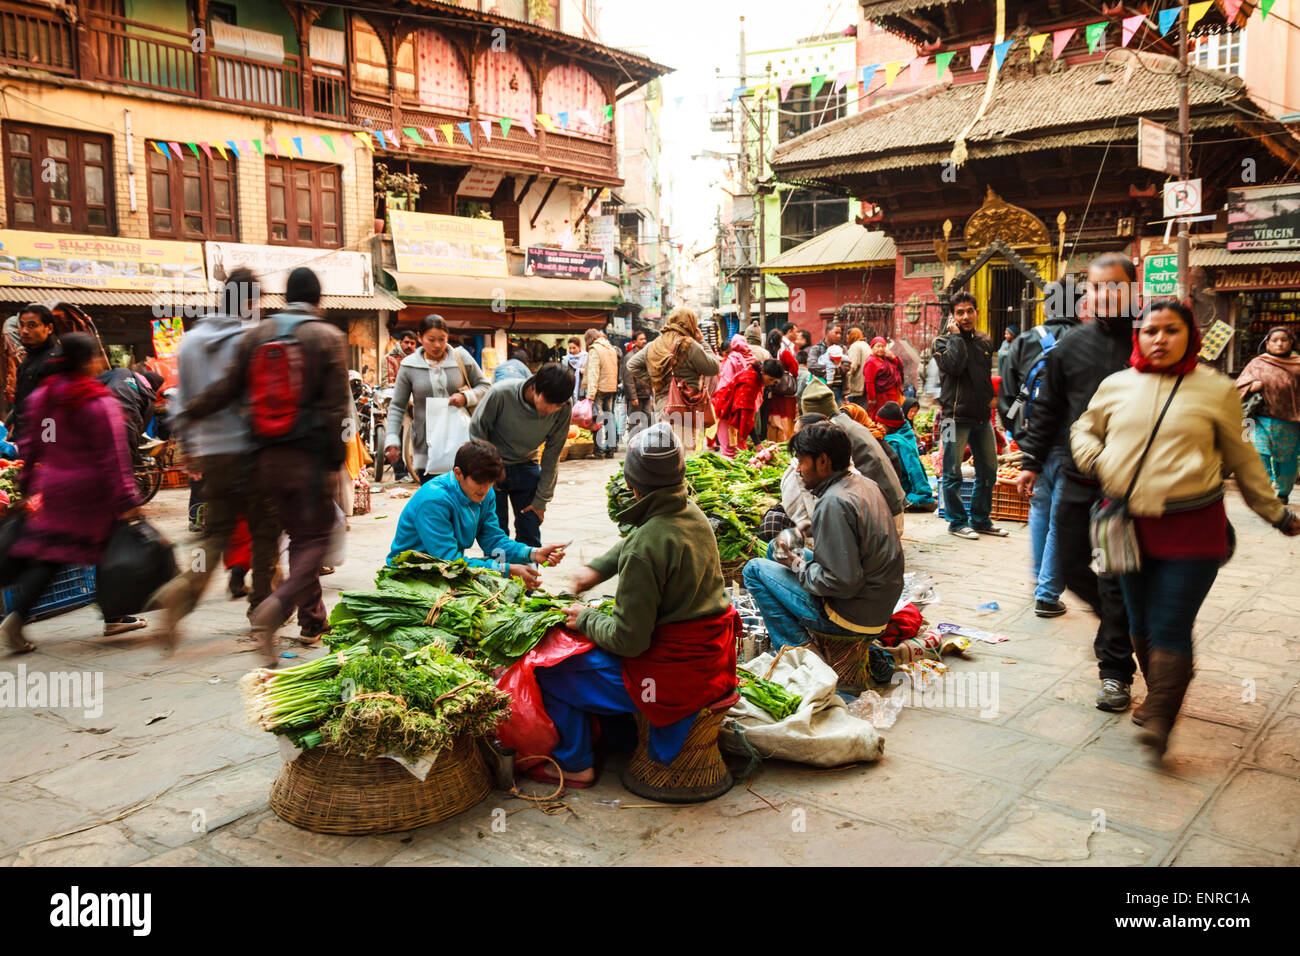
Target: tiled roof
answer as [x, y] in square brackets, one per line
[846, 246]
[1067, 103]
[1215, 257]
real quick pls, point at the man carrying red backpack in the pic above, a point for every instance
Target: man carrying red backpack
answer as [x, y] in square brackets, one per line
[291, 375]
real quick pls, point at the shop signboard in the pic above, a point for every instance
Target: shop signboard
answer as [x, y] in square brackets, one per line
[480, 183]
[565, 263]
[433, 244]
[63, 261]
[1264, 217]
[1284, 275]
[1160, 275]
[340, 272]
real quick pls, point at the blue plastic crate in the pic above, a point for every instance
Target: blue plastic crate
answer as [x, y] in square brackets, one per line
[72, 587]
[967, 489]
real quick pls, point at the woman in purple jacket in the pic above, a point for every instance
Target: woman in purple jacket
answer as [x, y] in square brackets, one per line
[77, 481]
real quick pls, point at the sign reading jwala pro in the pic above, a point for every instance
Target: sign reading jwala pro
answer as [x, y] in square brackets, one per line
[98, 262]
[448, 245]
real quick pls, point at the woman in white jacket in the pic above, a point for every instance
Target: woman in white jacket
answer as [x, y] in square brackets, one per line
[432, 371]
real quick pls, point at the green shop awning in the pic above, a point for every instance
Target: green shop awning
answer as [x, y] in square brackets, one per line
[519, 291]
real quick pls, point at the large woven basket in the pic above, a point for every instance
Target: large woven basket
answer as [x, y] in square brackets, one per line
[325, 792]
[848, 658]
[732, 570]
[696, 774]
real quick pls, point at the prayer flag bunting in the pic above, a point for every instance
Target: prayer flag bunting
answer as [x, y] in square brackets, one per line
[222, 150]
[347, 139]
[412, 132]
[432, 133]
[297, 144]
[1195, 11]
[736, 93]
[154, 144]
[609, 113]
[486, 126]
[584, 116]
[1060, 40]
[841, 80]
[207, 150]
[891, 71]
[977, 54]
[1230, 8]
[869, 74]
[1130, 26]
[320, 145]
[233, 148]
[1000, 53]
[194, 149]
[247, 147]
[785, 87]
[941, 61]
[526, 122]
[257, 144]
[1093, 33]
[1167, 19]
[815, 85]
[383, 140]
[563, 117]
[176, 148]
[505, 126]
[1036, 43]
[448, 131]
[548, 124]
[1264, 7]
[914, 69]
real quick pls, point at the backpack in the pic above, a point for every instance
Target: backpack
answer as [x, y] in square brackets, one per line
[1031, 381]
[275, 389]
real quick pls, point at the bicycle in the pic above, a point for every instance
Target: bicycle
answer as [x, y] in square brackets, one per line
[151, 457]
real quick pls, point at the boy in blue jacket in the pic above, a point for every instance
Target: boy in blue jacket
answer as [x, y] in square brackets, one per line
[899, 435]
[449, 513]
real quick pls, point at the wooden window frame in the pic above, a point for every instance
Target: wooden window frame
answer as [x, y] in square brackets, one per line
[293, 216]
[42, 196]
[208, 177]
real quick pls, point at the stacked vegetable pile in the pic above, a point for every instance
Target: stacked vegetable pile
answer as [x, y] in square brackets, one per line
[9, 474]
[734, 493]
[767, 694]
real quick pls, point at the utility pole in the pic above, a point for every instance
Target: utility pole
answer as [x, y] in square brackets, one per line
[743, 247]
[761, 198]
[1184, 148]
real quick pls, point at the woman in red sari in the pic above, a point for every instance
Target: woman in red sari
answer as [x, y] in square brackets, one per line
[736, 402]
[882, 377]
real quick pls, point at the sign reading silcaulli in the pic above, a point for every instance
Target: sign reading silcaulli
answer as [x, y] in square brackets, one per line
[99, 262]
[564, 264]
[1264, 217]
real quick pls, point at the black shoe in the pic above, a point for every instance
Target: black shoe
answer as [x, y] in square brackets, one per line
[992, 530]
[1049, 608]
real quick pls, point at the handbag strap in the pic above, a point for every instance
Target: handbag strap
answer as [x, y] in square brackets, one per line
[1150, 441]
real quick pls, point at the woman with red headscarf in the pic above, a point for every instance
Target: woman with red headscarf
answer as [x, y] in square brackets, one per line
[882, 377]
[1163, 434]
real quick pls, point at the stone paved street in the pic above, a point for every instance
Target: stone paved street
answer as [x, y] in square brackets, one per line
[1046, 780]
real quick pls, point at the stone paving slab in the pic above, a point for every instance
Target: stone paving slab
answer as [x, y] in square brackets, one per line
[1045, 780]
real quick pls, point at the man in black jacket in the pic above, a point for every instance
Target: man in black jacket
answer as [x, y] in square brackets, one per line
[40, 347]
[965, 359]
[1074, 370]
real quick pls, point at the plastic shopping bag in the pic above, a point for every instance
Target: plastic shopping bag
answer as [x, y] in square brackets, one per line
[584, 415]
[338, 549]
[446, 428]
[529, 730]
[137, 561]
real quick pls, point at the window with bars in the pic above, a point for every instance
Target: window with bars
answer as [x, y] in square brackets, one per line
[801, 112]
[304, 204]
[192, 198]
[806, 213]
[58, 180]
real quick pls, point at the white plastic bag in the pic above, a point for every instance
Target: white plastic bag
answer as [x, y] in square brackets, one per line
[446, 428]
[821, 732]
[338, 549]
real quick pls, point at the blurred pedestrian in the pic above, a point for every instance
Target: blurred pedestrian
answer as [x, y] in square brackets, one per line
[40, 350]
[1009, 335]
[1272, 379]
[636, 391]
[602, 387]
[1161, 436]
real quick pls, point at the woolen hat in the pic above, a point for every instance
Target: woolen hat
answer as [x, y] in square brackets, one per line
[817, 397]
[890, 414]
[654, 459]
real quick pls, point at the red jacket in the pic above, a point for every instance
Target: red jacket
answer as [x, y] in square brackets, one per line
[740, 397]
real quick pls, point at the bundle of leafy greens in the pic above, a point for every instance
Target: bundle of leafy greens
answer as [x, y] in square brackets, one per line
[734, 493]
[769, 695]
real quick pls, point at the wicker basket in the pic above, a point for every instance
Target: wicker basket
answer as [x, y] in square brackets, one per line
[698, 772]
[575, 449]
[731, 570]
[325, 792]
[848, 658]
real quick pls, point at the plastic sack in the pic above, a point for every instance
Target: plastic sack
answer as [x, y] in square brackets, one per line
[137, 561]
[338, 549]
[529, 730]
[584, 415]
[446, 428]
[821, 732]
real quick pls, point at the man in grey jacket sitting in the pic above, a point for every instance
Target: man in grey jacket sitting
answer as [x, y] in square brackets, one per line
[848, 584]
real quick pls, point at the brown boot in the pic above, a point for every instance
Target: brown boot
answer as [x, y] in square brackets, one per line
[1141, 650]
[1166, 684]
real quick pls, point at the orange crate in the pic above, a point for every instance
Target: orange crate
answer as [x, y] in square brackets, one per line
[1007, 503]
[175, 478]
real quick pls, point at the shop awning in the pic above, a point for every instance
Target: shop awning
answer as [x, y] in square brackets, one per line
[847, 246]
[381, 299]
[1219, 257]
[518, 291]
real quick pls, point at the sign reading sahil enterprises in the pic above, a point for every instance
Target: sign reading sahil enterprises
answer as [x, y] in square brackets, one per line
[1264, 217]
[340, 272]
[64, 261]
[564, 264]
[448, 245]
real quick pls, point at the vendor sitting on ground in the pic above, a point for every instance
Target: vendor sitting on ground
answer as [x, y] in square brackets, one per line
[900, 437]
[848, 584]
[452, 511]
[797, 502]
[668, 647]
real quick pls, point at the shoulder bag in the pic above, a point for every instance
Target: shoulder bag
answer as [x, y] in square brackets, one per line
[1112, 532]
[685, 401]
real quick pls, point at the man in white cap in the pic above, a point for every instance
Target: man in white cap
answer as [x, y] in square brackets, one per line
[668, 646]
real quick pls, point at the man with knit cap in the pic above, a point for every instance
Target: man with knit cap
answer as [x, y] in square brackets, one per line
[668, 646]
[870, 457]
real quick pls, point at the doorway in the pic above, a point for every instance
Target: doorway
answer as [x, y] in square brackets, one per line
[1006, 292]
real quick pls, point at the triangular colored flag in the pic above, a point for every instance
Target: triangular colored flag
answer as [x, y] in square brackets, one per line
[609, 113]
[163, 152]
[347, 139]
[486, 126]
[1264, 7]
[526, 122]
[194, 149]
[914, 69]
[1000, 53]
[1195, 11]
[412, 132]
[257, 144]
[1230, 8]
[233, 148]
[1130, 26]
[869, 74]
[1093, 33]
[297, 144]
[1168, 18]
[467, 132]
[842, 80]
[396, 139]
[176, 148]
[222, 150]
[815, 85]
[1060, 40]
[207, 150]
[736, 94]
[247, 147]
[365, 139]
[320, 145]
[547, 122]
[1036, 44]
[505, 126]
[941, 61]
[285, 145]
[891, 71]
[977, 54]
[785, 87]
[584, 116]
[383, 140]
